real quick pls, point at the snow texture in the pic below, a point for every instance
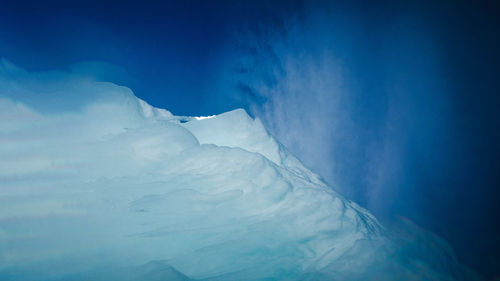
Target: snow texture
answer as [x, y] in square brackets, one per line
[96, 184]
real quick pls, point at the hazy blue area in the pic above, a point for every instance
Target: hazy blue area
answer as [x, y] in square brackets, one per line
[394, 104]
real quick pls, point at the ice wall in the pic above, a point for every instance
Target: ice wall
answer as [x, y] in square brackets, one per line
[106, 187]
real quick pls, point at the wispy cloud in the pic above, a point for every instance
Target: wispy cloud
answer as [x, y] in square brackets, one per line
[345, 96]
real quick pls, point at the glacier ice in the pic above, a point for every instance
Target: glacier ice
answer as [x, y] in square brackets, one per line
[96, 184]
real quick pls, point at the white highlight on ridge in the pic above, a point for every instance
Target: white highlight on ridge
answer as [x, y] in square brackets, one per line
[204, 117]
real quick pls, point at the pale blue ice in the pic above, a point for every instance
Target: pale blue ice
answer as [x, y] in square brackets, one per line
[96, 184]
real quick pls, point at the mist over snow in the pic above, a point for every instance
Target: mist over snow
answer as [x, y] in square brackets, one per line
[356, 119]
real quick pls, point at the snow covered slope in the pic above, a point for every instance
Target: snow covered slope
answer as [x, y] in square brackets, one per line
[114, 189]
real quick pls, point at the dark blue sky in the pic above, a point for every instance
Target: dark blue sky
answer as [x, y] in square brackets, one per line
[394, 104]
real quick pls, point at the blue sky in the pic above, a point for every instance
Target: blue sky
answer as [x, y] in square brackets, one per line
[394, 104]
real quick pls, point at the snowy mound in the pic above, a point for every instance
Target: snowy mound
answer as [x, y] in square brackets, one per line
[112, 188]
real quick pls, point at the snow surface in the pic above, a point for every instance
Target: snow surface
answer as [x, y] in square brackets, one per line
[112, 188]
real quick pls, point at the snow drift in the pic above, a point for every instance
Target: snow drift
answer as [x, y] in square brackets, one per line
[95, 184]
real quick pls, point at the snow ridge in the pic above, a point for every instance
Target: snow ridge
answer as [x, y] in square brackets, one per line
[120, 190]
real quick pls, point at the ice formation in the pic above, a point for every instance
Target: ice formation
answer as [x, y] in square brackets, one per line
[96, 184]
